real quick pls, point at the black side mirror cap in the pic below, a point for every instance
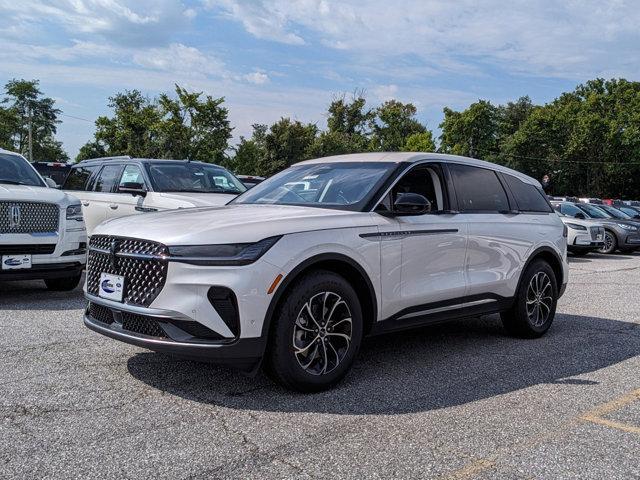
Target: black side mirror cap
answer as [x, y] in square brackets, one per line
[133, 188]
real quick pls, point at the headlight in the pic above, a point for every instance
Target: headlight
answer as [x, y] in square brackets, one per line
[575, 226]
[628, 227]
[74, 212]
[226, 254]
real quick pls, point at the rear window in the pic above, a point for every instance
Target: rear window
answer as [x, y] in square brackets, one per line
[78, 178]
[478, 189]
[529, 198]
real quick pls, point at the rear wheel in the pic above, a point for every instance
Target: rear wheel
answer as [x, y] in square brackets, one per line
[63, 284]
[316, 334]
[535, 304]
[610, 243]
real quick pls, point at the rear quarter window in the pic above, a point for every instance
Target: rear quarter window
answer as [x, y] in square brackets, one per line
[478, 189]
[528, 197]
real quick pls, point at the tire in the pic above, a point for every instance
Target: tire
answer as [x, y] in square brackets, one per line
[63, 284]
[610, 243]
[324, 355]
[522, 320]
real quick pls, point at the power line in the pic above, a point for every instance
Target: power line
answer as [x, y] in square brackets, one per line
[557, 160]
[77, 118]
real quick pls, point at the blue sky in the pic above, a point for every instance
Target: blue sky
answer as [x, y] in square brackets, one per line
[273, 58]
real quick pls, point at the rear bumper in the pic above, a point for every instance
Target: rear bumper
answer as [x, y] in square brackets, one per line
[242, 353]
[44, 271]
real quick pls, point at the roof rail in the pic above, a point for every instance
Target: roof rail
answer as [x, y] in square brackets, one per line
[115, 157]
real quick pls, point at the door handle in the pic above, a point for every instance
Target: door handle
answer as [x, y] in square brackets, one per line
[146, 209]
[113, 206]
[86, 204]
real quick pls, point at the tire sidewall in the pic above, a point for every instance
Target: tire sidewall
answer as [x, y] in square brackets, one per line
[613, 244]
[283, 356]
[521, 307]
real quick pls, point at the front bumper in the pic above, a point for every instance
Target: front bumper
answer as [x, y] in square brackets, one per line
[242, 353]
[44, 271]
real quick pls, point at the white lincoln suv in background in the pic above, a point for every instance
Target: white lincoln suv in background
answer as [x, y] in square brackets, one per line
[298, 269]
[42, 234]
[116, 187]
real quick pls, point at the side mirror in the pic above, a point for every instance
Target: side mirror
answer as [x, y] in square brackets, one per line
[580, 216]
[411, 204]
[133, 188]
[51, 183]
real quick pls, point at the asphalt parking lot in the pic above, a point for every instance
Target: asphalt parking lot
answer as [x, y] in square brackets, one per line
[460, 400]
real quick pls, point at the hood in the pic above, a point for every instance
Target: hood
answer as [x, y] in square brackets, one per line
[26, 193]
[199, 199]
[584, 223]
[609, 221]
[230, 224]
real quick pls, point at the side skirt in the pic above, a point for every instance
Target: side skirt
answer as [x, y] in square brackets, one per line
[439, 312]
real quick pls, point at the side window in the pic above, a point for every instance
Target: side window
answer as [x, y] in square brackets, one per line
[570, 210]
[108, 178]
[478, 189]
[131, 174]
[78, 178]
[528, 197]
[423, 180]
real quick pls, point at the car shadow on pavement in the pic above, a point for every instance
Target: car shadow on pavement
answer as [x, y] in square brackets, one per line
[34, 295]
[430, 368]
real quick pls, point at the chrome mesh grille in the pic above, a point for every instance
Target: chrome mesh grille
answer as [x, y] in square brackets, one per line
[29, 217]
[595, 231]
[144, 277]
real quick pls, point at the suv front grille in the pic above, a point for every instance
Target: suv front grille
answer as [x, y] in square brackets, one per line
[29, 217]
[142, 324]
[595, 231]
[100, 313]
[140, 262]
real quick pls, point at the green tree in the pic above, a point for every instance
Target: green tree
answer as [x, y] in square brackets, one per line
[420, 142]
[187, 126]
[588, 140]
[250, 152]
[393, 124]
[286, 143]
[472, 132]
[25, 106]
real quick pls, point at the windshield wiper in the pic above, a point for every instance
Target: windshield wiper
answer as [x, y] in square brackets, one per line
[14, 182]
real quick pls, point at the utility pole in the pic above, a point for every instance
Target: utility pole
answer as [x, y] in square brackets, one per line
[30, 136]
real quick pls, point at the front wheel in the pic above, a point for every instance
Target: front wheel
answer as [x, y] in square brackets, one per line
[610, 243]
[316, 334]
[63, 284]
[535, 304]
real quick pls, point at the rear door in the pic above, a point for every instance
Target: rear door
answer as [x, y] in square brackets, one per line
[78, 183]
[499, 239]
[103, 200]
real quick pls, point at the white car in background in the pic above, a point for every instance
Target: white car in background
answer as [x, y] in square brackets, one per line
[42, 234]
[582, 236]
[373, 243]
[116, 187]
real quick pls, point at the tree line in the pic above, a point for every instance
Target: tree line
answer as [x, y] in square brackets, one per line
[587, 140]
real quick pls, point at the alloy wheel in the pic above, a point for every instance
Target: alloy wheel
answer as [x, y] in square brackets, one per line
[608, 243]
[322, 333]
[539, 299]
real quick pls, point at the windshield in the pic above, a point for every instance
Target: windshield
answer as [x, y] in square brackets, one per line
[15, 170]
[614, 212]
[593, 211]
[193, 177]
[340, 185]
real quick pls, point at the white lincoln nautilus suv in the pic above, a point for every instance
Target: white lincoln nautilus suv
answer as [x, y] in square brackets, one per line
[298, 269]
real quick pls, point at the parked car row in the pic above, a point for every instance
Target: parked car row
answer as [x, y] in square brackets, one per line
[294, 272]
[621, 230]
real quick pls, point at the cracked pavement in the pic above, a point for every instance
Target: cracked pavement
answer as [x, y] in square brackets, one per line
[458, 400]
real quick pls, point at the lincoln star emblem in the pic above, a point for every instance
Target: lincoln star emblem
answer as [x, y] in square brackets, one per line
[14, 216]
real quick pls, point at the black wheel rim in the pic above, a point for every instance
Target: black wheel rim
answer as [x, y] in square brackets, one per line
[322, 333]
[539, 299]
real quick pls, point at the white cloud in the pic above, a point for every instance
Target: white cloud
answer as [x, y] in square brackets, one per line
[541, 37]
[257, 78]
[385, 92]
[179, 58]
